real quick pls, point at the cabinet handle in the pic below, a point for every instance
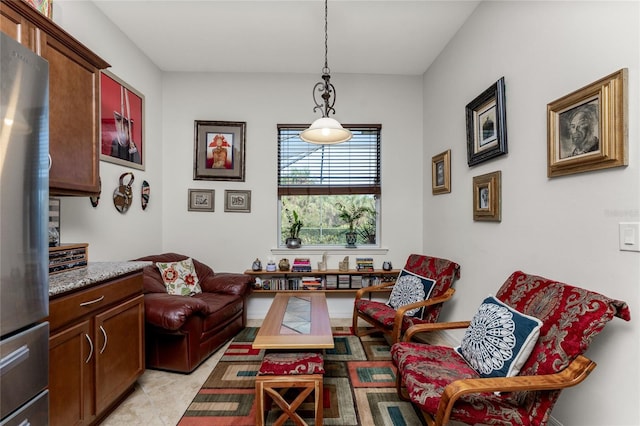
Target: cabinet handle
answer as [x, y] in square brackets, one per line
[86, 361]
[91, 302]
[104, 346]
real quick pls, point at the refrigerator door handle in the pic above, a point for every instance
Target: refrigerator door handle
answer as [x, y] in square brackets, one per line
[86, 361]
[13, 359]
[104, 345]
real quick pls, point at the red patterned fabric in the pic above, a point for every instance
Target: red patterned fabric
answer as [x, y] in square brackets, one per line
[571, 318]
[282, 364]
[443, 271]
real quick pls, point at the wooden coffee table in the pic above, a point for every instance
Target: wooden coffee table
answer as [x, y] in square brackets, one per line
[296, 320]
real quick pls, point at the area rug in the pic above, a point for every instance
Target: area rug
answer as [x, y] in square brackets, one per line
[359, 386]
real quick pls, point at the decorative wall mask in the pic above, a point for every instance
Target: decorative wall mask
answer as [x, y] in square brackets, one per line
[144, 193]
[123, 194]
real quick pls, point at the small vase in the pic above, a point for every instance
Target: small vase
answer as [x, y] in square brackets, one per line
[351, 239]
[293, 243]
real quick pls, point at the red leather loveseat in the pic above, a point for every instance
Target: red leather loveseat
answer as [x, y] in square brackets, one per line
[183, 331]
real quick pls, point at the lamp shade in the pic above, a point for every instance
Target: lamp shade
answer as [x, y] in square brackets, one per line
[325, 131]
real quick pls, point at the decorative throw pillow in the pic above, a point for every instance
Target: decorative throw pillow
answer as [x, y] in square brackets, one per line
[410, 288]
[180, 278]
[499, 339]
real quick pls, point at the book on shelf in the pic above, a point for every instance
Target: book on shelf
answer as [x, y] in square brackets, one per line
[301, 264]
[364, 264]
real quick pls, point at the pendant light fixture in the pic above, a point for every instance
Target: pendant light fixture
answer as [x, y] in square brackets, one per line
[325, 130]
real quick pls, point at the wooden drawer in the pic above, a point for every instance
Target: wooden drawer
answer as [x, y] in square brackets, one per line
[73, 306]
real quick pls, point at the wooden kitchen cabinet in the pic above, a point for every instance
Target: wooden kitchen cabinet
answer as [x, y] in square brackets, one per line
[74, 98]
[96, 349]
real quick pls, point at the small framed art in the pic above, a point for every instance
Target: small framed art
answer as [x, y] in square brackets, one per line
[237, 201]
[587, 129]
[219, 150]
[201, 200]
[487, 125]
[441, 173]
[487, 197]
[122, 123]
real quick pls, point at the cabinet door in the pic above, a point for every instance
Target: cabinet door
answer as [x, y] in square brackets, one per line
[15, 26]
[119, 350]
[74, 94]
[71, 361]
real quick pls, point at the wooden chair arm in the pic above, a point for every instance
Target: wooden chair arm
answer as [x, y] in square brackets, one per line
[434, 326]
[400, 312]
[373, 288]
[575, 373]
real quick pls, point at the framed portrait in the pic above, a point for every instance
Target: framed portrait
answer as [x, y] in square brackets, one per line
[441, 173]
[122, 122]
[487, 197]
[237, 201]
[487, 125]
[201, 200]
[587, 129]
[219, 150]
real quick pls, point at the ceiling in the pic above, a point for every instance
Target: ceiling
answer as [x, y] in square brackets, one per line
[364, 36]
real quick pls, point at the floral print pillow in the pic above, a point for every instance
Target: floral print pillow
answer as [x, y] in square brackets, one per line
[180, 277]
[499, 339]
[410, 288]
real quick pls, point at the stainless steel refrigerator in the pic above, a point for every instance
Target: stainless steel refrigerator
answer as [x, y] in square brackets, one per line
[24, 200]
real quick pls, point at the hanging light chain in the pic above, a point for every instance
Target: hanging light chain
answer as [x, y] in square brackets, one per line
[326, 39]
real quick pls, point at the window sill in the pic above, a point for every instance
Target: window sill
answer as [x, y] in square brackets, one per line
[363, 250]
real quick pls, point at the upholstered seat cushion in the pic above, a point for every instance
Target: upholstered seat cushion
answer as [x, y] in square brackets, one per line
[282, 364]
[384, 314]
[427, 370]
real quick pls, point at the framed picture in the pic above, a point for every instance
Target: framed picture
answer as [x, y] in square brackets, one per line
[487, 125]
[219, 150]
[587, 129]
[201, 200]
[441, 173]
[237, 201]
[122, 122]
[487, 197]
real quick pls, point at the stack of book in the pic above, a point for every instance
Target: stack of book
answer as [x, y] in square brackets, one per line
[364, 264]
[311, 283]
[301, 264]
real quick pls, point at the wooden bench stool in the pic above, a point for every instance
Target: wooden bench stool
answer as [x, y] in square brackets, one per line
[280, 372]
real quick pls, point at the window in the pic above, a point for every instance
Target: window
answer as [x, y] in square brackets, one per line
[314, 179]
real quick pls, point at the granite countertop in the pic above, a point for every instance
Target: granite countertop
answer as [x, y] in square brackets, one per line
[95, 272]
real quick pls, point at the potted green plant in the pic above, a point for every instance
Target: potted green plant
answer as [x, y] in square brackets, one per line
[367, 231]
[352, 214]
[293, 231]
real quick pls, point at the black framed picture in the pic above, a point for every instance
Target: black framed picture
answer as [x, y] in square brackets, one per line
[487, 125]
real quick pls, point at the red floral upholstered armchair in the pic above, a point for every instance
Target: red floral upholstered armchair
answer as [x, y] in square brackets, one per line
[445, 387]
[394, 321]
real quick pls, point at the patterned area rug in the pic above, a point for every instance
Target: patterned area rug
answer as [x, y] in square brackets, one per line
[359, 386]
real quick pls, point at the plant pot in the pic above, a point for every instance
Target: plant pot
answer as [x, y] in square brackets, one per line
[294, 243]
[351, 238]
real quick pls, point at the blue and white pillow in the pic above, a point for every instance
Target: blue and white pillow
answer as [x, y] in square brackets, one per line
[410, 288]
[499, 339]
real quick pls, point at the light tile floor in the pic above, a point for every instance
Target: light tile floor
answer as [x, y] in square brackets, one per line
[160, 398]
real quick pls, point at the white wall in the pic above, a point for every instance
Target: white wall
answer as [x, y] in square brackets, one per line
[111, 235]
[231, 241]
[564, 228]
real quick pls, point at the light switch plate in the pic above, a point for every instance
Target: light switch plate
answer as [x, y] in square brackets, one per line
[629, 236]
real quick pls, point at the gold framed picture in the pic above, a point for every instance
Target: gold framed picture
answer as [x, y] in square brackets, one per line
[587, 129]
[441, 173]
[487, 197]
